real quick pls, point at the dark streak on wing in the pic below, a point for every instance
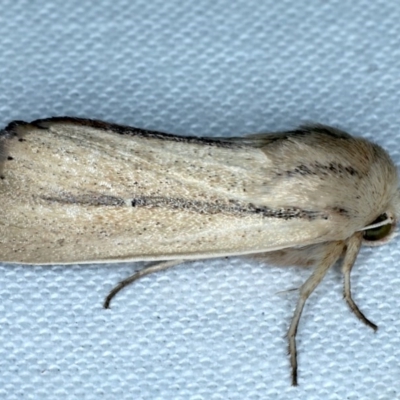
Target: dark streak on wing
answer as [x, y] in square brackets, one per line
[321, 169]
[232, 207]
[341, 211]
[125, 130]
[88, 199]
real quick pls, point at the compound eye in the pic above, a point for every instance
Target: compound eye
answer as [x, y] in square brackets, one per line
[380, 232]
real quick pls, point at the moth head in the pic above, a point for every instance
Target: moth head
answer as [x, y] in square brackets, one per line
[382, 229]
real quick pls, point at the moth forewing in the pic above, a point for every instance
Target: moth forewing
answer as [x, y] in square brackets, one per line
[75, 190]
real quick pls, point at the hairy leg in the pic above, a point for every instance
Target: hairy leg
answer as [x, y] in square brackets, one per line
[137, 275]
[332, 254]
[353, 247]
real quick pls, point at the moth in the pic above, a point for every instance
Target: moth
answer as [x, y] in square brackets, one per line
[84, 191]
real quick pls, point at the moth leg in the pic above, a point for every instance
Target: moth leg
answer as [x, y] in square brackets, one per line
[137, 275]
[330, 257]
[353, 247]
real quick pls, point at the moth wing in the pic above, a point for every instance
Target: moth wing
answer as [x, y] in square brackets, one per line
[85, 191]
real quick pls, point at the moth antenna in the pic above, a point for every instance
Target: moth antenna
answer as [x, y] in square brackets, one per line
[387, 221]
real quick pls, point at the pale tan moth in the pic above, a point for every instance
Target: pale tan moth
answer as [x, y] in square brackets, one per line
[83, 191]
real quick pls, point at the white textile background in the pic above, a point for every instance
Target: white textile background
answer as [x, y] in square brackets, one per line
[211, 329]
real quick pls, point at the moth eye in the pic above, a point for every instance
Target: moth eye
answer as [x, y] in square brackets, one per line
[375, 234]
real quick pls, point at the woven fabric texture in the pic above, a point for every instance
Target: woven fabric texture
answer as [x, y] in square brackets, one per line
[212, 330]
